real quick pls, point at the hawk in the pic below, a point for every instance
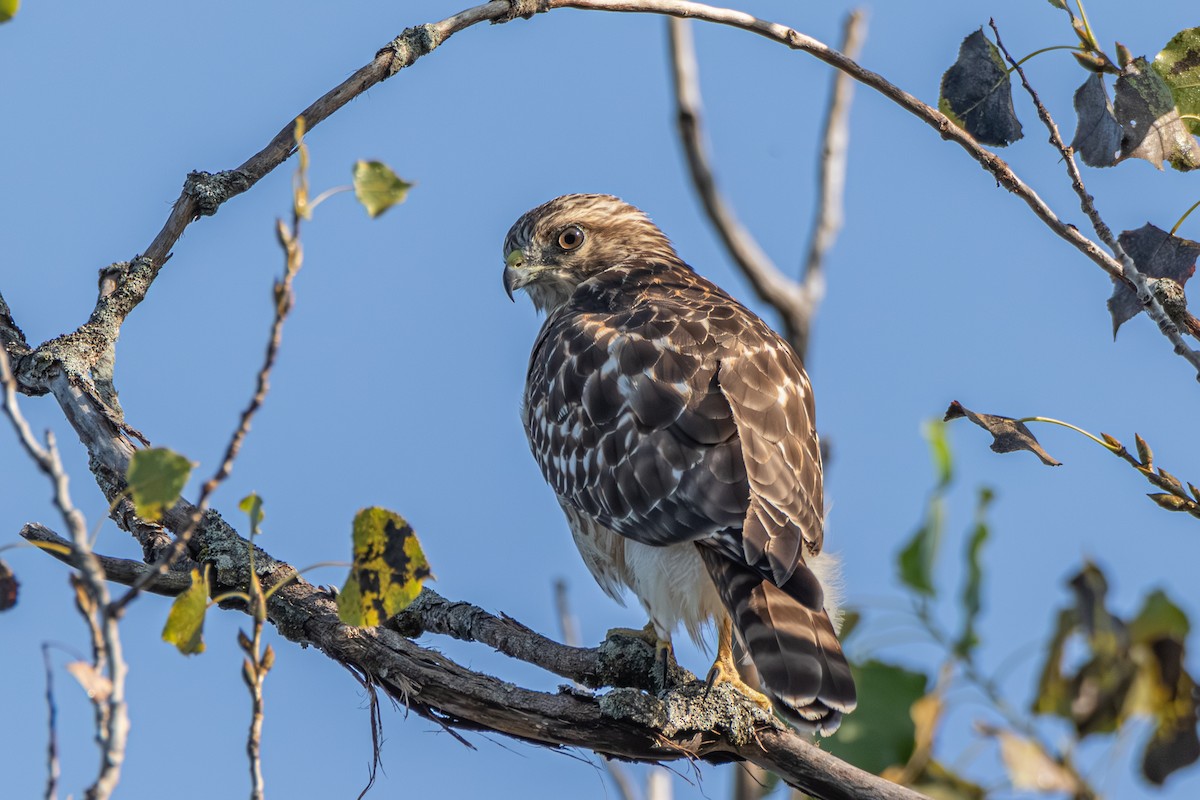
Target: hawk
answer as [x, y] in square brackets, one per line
[677, 431]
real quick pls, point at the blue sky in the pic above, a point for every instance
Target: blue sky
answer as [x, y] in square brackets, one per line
[403, 362]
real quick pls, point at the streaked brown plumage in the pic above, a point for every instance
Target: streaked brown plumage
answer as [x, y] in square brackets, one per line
[677, 431]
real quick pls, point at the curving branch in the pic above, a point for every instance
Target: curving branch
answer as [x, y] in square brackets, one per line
[87, 354]
[796, 302]
[774, 288]
[835, 145]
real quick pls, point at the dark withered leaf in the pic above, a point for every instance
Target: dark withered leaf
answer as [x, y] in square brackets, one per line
[1091, 590]
[1173, 746]
[1054, 688]
[1156, 254]
[977, 94]
[9, 587]
[1169, 693]
[1150, 123]
[1097, 133]
[1009, 434]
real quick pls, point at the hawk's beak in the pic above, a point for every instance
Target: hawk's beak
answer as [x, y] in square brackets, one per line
[515, 273]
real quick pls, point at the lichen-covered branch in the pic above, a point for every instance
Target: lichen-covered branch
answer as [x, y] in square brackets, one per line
[687, 722]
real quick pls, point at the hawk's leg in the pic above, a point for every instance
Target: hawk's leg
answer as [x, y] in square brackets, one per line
[724, 670]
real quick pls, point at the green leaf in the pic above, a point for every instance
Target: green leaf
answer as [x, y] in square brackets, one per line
[8, 9]
[917, 558]
[1151, 127]
[377, 187]
[252, 504]
[156, 476]
[1159, 618]
[1179, 66]
[881, 732]
[939, 449]
[388, 569]
[968, 639]
[185, 623]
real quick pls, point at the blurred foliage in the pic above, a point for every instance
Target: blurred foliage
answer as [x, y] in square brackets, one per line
[1101, 671]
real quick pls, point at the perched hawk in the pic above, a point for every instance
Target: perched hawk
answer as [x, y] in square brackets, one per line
[676, 429]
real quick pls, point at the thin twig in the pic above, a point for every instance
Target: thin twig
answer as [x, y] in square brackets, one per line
[991, 691]
[769, 282]
[569, 630]
[284, 299]
[53, 769]
[118, 570]
[1129, 272]
[112, 721]
[827, 222]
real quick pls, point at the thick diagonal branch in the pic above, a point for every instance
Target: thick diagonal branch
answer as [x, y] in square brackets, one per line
[626, 722]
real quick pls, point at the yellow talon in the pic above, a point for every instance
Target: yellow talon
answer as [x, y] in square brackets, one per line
[724, 670]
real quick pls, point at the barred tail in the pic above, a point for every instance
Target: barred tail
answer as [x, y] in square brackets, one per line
[790, 640]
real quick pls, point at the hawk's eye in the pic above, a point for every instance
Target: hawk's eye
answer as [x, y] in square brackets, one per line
[571, 238]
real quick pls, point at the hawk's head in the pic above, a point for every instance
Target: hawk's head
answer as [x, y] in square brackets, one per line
[558, 245]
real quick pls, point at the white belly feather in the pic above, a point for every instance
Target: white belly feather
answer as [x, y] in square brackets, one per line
[671, 582]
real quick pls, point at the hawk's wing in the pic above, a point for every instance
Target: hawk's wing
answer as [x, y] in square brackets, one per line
[676, 414]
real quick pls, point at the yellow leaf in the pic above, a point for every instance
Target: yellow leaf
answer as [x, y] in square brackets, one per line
[185, 622]
[377, 187]
[387, 571]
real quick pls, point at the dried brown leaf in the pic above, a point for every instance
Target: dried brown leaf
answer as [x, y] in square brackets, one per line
[1009, 434]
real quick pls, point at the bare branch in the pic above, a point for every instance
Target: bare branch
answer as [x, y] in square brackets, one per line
[772, 286]
[53, 769]
[284, 300]
[118, 570]
[835, 144]
[112, 721]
